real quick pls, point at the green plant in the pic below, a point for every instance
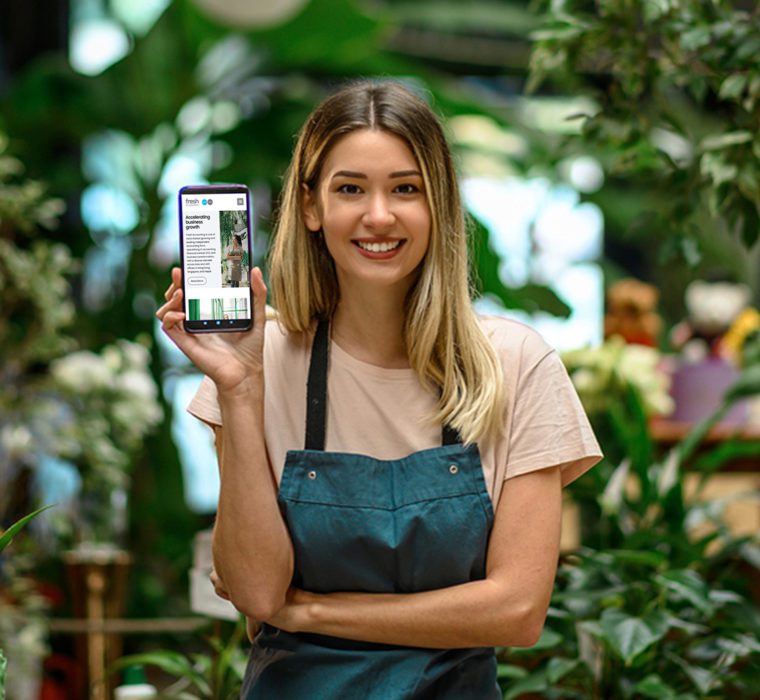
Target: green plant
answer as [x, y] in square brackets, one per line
[655, 610]
[217, 675]
[5, 539]
[677, 88]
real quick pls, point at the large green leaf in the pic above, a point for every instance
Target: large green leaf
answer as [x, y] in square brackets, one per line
[171, 662]
[629, 636]
[747, 384]
[688, 585]
[549, 640]
[536, 682]
[648, 558]
[3, 666]
[509, 671]
[229, 665]
[703, 679]
[558, 667]
[654, 687]
[7, 537]
[613, 496]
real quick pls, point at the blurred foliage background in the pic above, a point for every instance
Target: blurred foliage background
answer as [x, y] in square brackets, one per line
[663, 94]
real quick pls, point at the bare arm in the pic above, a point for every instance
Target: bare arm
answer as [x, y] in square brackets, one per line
[252, 550]
[251, 547]
[507, 608]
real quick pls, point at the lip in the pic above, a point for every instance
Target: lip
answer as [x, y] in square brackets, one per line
[379, 256]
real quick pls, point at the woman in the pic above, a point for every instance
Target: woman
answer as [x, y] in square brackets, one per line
[235, 258]
[391, 465]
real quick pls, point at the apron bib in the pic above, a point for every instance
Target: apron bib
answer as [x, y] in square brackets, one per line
[377, 526]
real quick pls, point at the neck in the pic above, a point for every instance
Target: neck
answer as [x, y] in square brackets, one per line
[370, 328]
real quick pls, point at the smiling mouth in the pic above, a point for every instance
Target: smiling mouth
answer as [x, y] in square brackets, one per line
[384, 247]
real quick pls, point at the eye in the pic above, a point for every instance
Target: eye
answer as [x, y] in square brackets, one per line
[407, 188]
[349, 188]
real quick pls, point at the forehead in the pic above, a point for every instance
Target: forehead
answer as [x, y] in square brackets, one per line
[370, 151]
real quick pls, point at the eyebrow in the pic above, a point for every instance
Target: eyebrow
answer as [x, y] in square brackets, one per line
[363, 176]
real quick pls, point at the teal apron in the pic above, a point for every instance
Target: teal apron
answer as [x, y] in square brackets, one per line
[377, 526]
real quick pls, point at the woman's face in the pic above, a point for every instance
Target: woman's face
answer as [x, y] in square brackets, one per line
[371, 205]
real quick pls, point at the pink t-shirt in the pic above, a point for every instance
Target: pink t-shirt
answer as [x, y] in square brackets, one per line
[381, 412]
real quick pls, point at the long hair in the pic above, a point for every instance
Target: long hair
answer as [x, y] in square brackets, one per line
[445, 343]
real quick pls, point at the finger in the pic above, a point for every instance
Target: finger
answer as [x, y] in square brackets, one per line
[172, 304]
[219, 588]
[259, 297]
[221, 592]
[176, 283]
[172, 321]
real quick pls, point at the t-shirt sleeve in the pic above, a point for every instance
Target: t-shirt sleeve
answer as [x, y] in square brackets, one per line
[549, 426]
[204, 404]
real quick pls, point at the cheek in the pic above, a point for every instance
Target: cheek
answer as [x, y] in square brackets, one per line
[424, 226]
[337, 218]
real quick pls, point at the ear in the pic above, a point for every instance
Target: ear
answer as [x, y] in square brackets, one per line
[310, 209]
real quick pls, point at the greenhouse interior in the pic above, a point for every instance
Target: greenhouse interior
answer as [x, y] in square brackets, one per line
[607, 159]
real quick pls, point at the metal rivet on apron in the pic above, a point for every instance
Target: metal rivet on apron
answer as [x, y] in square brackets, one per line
[453, 468]
[312, 474]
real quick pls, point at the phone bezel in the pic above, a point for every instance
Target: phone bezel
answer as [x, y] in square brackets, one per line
[216, 325]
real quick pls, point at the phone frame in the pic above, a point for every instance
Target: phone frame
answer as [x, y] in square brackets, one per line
[216, 325]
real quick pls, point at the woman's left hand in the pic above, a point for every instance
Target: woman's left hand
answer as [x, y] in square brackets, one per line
[293, 616]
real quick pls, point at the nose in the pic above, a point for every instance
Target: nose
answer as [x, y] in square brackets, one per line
[379, 214]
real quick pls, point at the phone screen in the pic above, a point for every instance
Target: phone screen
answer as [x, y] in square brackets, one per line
[216, 250]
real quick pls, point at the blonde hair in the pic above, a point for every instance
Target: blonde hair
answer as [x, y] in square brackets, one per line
[445, 342]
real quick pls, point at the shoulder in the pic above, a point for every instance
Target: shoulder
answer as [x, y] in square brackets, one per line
[286, 353]
[278, 340]
[515, 342]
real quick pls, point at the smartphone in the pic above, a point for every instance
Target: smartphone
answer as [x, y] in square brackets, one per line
[216, 252]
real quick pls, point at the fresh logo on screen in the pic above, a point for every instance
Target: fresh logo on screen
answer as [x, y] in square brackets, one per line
[196, 202]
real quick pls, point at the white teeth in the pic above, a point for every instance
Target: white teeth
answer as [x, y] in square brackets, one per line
[378, 247]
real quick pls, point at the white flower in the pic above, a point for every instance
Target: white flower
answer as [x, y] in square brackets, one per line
[136, 355]
[586, 380]
[112, 357]
[600, 373]
[16, 441]
[82, 372]
[637, 363]
[137, 385]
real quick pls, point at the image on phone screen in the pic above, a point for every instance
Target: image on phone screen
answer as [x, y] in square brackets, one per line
[216, 250]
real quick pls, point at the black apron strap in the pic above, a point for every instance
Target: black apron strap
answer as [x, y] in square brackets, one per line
[450, 436]
[316, 389]
[316, 395]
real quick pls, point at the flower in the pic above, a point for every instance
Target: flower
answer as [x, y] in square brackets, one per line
[108, 402]
[81, 372]
[601, 374]
[16, 441]
[744, 325]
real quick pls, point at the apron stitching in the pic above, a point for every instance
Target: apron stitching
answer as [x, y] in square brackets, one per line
[390, 509]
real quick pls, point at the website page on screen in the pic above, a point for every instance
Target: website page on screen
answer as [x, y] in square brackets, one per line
[216, 258]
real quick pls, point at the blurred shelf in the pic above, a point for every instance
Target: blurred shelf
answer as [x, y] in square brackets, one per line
[127, 625]
[668, 433]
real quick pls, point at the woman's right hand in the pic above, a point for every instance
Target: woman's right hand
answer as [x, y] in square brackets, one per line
[227, 358]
